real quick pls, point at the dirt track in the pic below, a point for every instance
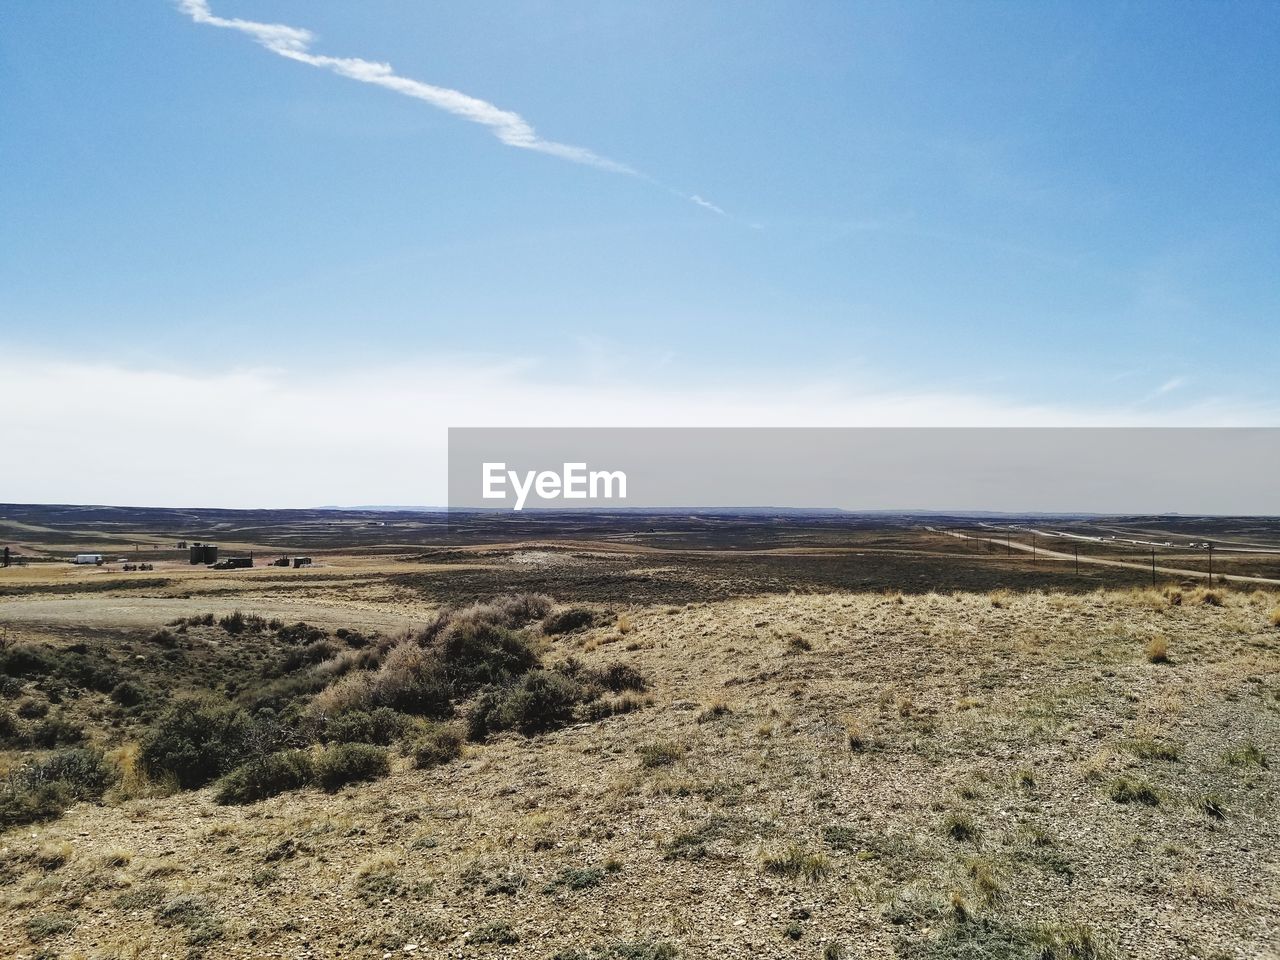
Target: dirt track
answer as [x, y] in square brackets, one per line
[1099, 561]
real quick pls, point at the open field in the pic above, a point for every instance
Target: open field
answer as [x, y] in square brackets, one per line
[790, 736]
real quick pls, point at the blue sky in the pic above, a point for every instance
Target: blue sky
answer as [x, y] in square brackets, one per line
[1015, 210]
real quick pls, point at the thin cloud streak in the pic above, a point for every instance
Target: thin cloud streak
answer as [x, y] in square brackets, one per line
[294, 43]
[706, 204]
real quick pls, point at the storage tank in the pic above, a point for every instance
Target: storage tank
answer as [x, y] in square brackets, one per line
[204, 553]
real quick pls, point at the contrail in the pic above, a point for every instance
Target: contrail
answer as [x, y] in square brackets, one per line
[294, 43]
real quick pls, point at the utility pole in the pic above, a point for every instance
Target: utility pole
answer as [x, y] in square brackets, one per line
[1211, 563]
[1033, 546]
[1153, 566]
[1008, 543]
[1077, 546]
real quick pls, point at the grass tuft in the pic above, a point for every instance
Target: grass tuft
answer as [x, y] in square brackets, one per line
[1133, 790]
[1158, 649]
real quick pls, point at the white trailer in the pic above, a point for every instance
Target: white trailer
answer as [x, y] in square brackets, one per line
[88, 558]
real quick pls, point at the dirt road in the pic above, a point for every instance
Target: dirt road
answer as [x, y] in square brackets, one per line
[1099, 561]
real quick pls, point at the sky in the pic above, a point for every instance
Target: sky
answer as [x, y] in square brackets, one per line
[301, 239]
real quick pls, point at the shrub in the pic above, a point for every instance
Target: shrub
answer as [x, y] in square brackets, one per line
[523, 608]
[439, 746]
[43, 790]
[382, 726]
[266, 776]
[379, 880]
[350, 763]
[314, 652]
[23, 805]
[480, 718]
[54, 731]
[88, 668]
[26, 660]
[196, 742]
[476, 650]
[542, 700]
[300, 633]
[1274, 618]
[193, 912]
[412, 680]
[576, 878]
[567, 621]
[354, 691]
[85, 772]
[234, 623]
[141, 897]
[128, 694]
[42, 926]
[617, 677]
[165, 638]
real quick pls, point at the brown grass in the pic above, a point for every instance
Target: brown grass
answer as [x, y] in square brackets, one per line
[1158, 649]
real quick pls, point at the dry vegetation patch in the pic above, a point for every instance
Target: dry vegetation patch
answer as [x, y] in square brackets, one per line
[929, 776]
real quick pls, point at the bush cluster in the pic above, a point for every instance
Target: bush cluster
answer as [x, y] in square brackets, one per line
[297, 706]
[438, 746]
[266, 776]
[42, 790]
[350, 763]
[196, 742]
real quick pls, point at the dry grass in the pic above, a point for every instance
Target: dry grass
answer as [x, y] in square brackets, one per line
[1157, 649]
[789, 815]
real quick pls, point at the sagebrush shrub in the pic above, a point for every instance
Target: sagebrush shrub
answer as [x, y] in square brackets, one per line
[42, 790]
[196, 742]
[412, 680]
[266, 776]
[350, 763]
[542, 700]
[128, 694]
[567, 621]
[382, 726]
[438, 746]
[56, 730]
[476, 649]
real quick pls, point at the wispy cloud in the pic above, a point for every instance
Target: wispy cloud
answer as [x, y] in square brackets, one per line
[706, 204]
[295, 43]
[376, 434]
[1169, 386]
